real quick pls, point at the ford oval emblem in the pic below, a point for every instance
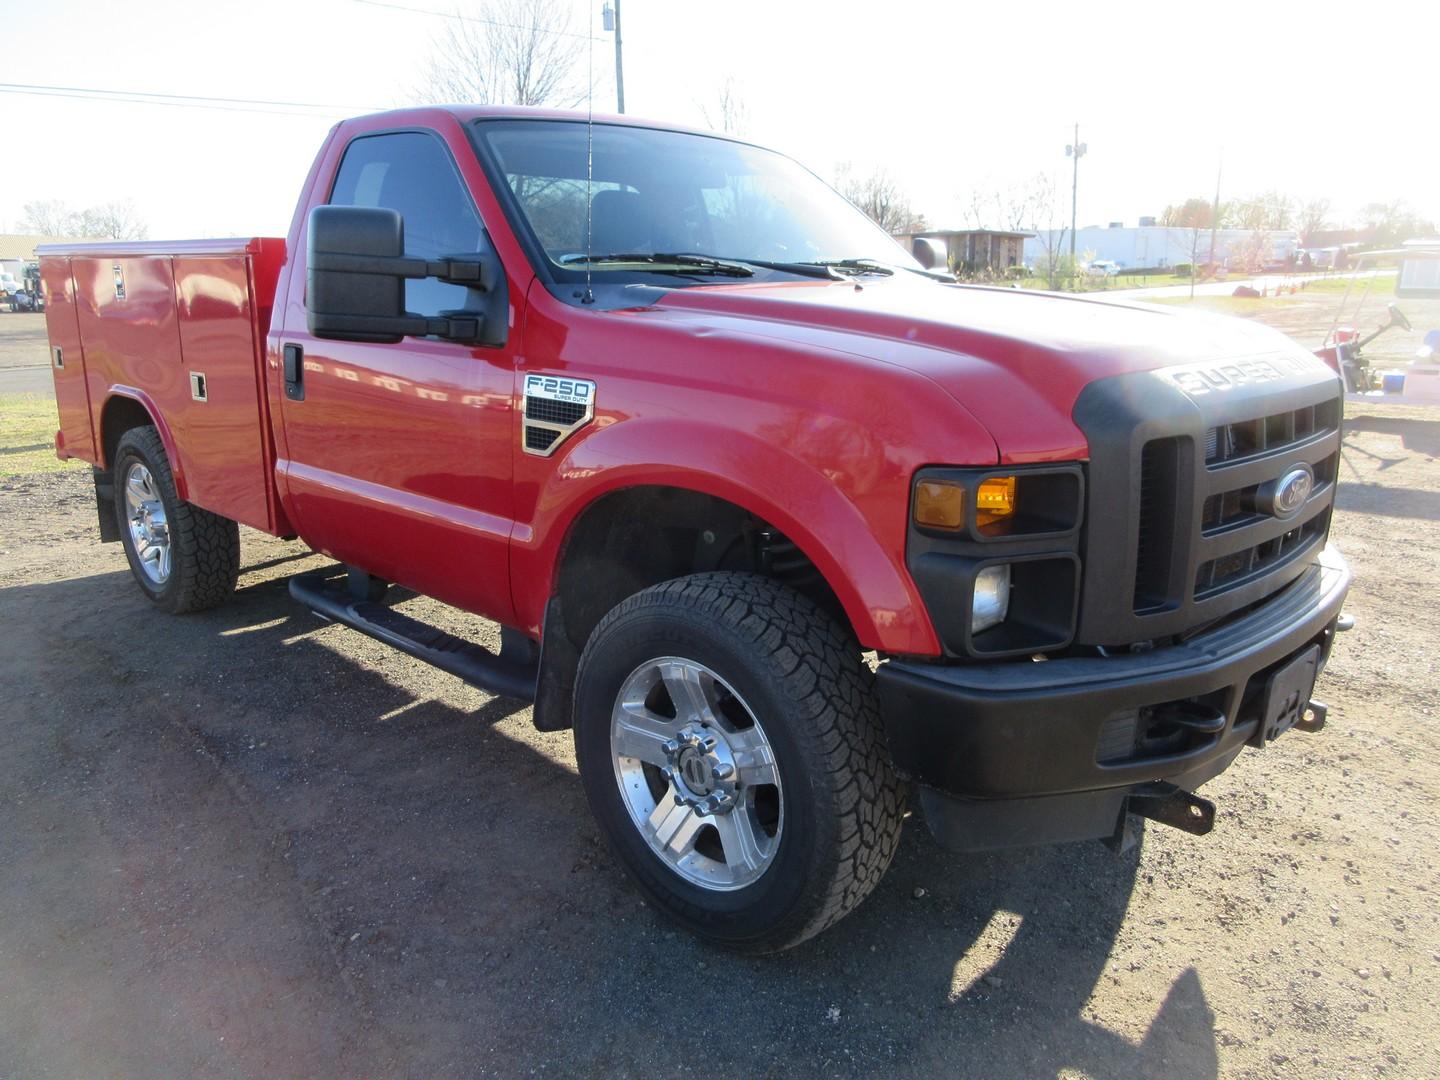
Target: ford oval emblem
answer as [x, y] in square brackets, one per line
[1291, 491]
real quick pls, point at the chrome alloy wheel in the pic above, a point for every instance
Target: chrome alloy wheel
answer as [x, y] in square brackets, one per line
[145, 516]
[696, 773]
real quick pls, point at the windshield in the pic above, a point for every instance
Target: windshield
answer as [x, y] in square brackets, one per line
[667, 193]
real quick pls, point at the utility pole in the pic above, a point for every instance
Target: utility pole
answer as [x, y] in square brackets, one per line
[1214, 214]
[1074, 151]
[612, 22]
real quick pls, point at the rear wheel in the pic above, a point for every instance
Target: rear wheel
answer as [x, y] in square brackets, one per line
[731, 750]
[183, 558]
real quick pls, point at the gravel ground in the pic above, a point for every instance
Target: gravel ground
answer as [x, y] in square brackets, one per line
[246, 843]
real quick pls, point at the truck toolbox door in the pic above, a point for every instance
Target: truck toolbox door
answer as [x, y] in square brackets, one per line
[399, 455]
[67, 362]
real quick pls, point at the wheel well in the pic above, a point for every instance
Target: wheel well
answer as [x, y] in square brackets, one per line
[121, 415]
[637, 537]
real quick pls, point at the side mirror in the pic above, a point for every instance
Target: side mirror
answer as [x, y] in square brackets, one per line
[356, 269]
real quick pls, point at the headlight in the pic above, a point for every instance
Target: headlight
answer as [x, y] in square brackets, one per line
[994, 553]
[994, 501]
[992, 598]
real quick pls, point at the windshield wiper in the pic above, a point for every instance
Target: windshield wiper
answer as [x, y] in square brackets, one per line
[680, 262]
[858, 266]
[875, 266]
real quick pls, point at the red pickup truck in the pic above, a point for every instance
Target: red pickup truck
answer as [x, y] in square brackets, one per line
[785, 528]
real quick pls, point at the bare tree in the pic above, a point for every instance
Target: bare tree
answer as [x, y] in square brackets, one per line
[1045, 208]
[881, 198]
[1009, 207]
[728, 113]
[109, 221]
[112, 221]
[1194, 218]
[1270, 210]
[508, 52]
[1394, 222]
[46, 217]
[1181, 214]
[1314, 217]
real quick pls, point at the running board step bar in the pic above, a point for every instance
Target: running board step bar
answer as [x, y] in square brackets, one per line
[476, 665]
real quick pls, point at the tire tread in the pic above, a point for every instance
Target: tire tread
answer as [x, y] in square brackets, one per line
[207, 546]
[819, 664]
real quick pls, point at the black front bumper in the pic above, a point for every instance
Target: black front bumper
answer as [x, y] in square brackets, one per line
[1039, 752]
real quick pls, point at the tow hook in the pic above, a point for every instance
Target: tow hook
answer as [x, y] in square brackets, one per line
[1345, 623]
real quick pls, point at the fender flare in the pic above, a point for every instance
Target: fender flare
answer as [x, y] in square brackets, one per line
[812, 511]
[157, 418]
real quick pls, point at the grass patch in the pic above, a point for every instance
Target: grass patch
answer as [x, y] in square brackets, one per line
[1381, 285]
[1099, 284]
[1247, 306]
[28, 423]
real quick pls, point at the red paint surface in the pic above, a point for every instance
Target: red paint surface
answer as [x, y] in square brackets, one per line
[809, 403]
[187, 307]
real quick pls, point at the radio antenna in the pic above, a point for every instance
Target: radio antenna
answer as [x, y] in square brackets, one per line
[589, 297]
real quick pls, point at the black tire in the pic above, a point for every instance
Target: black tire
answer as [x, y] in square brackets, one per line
[802, 675]
[205, 547]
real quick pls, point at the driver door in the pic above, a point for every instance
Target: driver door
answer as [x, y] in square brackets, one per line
[400, 460]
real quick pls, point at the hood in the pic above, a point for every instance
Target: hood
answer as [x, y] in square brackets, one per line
[1016, 360]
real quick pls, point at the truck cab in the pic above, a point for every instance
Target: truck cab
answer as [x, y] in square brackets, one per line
[785, 527]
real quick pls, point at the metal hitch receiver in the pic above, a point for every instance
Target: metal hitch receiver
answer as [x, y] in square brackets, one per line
[1170, 805]
[1313, 717]
[1167, 804]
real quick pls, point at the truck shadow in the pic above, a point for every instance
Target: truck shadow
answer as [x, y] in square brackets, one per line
[1417, 435]
[447, 906]
[1388, 500]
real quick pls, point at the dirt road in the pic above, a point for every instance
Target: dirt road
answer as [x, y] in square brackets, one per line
[246, 843]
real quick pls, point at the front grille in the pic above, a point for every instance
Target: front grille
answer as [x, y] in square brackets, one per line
[1226, 509]
[1241, 439]
[1234, 540]
[1183, 514]
[1156, 537]
[1238, 567]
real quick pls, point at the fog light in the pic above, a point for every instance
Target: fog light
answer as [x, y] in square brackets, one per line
[992, 598]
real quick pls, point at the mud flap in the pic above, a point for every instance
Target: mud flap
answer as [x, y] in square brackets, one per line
[105, 505]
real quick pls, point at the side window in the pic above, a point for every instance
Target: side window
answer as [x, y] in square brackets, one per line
[411, 172]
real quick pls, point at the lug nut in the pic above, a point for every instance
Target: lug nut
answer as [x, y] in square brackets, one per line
[708, 743]
[723, 771]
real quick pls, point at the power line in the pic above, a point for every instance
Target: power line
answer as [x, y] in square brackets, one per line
[475, 19]
[188, 101]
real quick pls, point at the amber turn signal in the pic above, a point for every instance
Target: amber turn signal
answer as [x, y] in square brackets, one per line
[940, 505]
[995, 500]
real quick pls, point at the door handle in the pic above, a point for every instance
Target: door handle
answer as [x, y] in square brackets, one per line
[295, 372]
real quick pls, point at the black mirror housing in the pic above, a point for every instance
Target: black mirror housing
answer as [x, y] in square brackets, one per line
[354, 306]
[356, 269]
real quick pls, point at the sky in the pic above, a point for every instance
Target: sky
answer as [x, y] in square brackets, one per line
[1316, 100]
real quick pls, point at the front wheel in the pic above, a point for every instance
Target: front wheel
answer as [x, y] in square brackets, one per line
[183, 558]
[730, 746]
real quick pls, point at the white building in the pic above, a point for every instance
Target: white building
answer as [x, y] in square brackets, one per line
[1149, 246]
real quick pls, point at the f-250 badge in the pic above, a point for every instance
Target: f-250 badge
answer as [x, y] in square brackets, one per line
[555, 408]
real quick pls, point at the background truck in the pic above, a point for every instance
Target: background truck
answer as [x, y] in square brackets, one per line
[784, 528]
